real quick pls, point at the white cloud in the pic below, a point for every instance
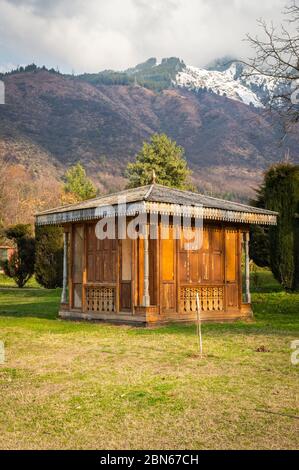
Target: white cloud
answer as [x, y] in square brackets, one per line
[90, 35]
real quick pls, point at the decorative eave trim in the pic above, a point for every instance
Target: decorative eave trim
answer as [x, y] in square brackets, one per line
[207, 213]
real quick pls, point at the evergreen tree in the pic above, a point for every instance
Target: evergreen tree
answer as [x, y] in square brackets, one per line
[163, 156]
[49, 256]
[20, 267]
[259, 250]
[280, 192]
[78, 184]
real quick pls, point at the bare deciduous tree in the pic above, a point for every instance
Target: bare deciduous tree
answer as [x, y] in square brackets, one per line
[22, 194]
[277, 57]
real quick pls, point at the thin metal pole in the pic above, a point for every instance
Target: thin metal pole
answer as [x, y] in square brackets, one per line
[198, 309]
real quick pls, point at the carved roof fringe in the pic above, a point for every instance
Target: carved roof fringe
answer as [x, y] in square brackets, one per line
[162, 208]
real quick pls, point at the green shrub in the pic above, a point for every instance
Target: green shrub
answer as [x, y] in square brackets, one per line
[49, 256]
[20, 266]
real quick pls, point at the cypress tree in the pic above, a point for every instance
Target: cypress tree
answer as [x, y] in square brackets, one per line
[280, 192]
[49, 256]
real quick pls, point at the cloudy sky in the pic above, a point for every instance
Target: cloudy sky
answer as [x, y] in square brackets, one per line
[91, 35]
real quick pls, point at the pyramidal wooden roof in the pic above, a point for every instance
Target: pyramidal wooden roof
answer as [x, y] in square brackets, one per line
[156, 198]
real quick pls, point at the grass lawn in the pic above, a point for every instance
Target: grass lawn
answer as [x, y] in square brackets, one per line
[86, 385]
[7, 282]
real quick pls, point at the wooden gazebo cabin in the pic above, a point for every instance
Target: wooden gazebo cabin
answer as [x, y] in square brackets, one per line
[155, 278]
[6, 253]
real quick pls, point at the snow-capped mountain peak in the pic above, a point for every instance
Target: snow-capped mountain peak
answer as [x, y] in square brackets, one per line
[224, 83]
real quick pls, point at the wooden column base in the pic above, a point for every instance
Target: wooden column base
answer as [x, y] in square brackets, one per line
[64, 307]
[246, 309]
[150, 313]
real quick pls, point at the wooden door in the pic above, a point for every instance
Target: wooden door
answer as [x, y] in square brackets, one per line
[217, 271]
[231, 268]
[126, 275]
[168, 269]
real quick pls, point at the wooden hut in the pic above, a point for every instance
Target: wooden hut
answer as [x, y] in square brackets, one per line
[150, 279]
[6, 253]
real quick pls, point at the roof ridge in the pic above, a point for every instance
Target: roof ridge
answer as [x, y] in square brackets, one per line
[215, 198]
[149, 191]
[98, 198]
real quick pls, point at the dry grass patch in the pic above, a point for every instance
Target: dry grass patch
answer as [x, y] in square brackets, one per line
[95, 386]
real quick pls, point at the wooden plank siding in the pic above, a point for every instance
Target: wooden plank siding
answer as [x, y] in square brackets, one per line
[168, 274]
[114, 271]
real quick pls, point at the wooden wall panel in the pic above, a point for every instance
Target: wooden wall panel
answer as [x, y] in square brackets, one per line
[168, 297]
[217, 256]
[231, 255]
[206, 239]
[91, 238]
[126, 275]
[126, 260]
[153, 284]
[183, 267]
[217, 267]
[216, 239]
[232, 296]
[168, 269]
[204, 265]
[168, 254]
[125, 295]
[101, 258]
[194, 266]
[90, 267]
[231, 268]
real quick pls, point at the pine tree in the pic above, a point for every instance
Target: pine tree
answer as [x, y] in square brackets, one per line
[78, 184]
[163, 156]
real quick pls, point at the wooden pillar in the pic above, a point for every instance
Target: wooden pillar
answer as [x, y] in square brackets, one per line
[64, 299]
[146, 297]
[247, 269]
[84, 273]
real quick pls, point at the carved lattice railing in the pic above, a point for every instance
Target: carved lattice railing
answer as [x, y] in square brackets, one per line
[211, 298]
[100, 299]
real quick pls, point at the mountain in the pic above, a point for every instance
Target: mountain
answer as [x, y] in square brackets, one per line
[51, 121]
[233, 80]
[223, 83]
[150, 74]
[226, 77]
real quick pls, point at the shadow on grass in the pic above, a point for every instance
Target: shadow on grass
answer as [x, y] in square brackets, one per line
[275, 311]
[29, 302]
[28, 311]
[263, 282]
